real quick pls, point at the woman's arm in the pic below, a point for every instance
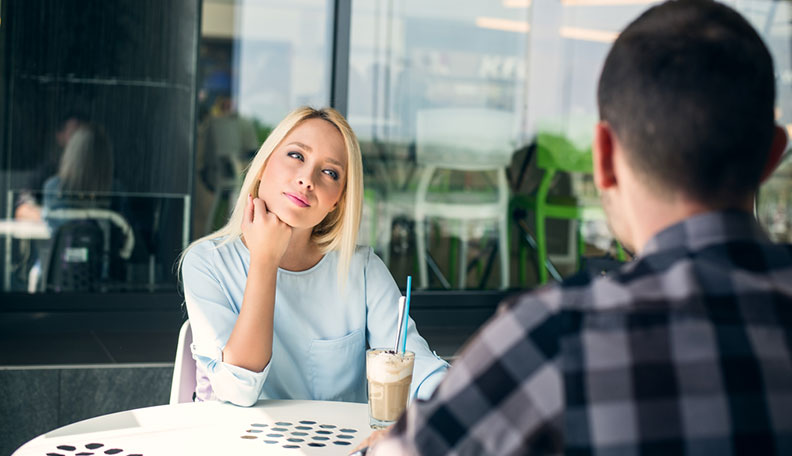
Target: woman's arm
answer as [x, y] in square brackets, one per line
[210, 284]
[266, 237]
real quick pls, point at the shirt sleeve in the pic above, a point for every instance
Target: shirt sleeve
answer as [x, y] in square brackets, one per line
[212, 317]
[382, 302]
[503, 395]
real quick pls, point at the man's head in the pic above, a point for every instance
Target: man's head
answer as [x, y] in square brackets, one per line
[687, 94]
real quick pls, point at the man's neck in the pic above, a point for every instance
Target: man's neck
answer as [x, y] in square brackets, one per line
[650, 215]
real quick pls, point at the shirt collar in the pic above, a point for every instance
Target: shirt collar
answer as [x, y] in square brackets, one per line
[705, 229]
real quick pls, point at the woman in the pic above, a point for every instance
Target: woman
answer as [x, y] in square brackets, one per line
[281, 301]
[85, 174]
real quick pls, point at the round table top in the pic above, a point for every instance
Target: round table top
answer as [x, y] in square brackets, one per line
[276, 427]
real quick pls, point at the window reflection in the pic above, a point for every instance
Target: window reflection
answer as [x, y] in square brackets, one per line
[98, 144]
[112, 82]
[259, 59]
[537, 60]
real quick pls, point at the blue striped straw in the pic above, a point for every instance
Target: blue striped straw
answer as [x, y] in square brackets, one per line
[406, 314]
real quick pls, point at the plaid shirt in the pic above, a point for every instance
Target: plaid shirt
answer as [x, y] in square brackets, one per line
[685, 350]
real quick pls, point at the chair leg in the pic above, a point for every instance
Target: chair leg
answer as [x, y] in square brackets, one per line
[420, 244]
[453, 253]
[503, 242]
[581, 243]
[463, 254]
[621, 255]
[541, 246]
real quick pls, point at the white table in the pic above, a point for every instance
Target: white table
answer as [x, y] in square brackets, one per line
[19, 229]
[213, 428]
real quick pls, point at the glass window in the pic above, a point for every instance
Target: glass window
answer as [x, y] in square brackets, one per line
[434, 85]
[98, 144]
[259, 59]
[437, 97]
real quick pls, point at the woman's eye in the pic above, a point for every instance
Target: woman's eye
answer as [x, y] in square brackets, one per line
[331, 173]
[296, 155]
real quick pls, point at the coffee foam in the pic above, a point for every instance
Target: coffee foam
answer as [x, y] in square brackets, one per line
[387, 367]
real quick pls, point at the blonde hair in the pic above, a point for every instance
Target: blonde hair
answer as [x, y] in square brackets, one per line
[339, 229]
[87, 162]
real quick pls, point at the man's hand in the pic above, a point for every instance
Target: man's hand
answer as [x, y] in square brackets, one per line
[372, 439]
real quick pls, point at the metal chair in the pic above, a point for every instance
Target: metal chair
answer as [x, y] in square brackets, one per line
[556, 153]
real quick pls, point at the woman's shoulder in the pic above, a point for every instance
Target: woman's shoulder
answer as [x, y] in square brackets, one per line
[366, 258]
[204, 251]
[51, 184]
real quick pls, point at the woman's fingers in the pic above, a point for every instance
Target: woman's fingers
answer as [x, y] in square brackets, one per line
[260, 208]
[248, 210]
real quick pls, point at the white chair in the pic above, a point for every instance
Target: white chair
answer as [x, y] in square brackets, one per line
[460, 139]
[183, 384]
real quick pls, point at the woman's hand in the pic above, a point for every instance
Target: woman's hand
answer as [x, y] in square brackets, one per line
[266, 236]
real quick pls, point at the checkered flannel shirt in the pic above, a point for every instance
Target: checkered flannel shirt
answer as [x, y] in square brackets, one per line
[685, 350]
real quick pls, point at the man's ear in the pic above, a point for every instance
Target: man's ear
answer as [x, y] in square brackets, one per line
[777, 149]
[603, 151]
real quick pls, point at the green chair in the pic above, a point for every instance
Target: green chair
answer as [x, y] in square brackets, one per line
[555, 153]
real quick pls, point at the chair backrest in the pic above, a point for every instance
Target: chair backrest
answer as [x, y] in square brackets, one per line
[557, 152]
[83, 254]
[470, 139]
[183, 384]
[104, 215]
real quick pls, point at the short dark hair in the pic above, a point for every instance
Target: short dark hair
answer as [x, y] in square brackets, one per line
[689, 90]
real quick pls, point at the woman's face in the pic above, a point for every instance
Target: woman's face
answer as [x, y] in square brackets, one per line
[305, 175]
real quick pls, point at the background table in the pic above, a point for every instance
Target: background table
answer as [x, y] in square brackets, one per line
[213, 428]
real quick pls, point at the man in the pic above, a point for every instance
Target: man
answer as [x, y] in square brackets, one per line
[686, 350]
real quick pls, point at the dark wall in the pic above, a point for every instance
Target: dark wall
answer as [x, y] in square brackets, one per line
[129, 65]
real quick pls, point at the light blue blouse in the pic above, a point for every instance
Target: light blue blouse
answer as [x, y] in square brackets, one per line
[320, 332]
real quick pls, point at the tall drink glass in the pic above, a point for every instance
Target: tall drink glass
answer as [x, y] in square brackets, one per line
[389, 375]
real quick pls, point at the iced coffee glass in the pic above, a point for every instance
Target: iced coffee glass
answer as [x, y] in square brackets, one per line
[389, 375]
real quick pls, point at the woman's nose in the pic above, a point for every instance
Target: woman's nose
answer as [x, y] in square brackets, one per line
[305, 181]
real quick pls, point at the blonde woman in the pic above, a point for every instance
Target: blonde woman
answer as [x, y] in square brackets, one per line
[281, 301]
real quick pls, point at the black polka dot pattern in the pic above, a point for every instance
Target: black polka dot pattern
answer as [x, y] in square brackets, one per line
[99, 449]
[302, 433]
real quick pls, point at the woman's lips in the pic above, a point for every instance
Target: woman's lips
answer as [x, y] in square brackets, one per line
[297, 200]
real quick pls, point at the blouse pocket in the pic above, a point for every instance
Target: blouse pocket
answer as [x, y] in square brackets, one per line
[337, 367]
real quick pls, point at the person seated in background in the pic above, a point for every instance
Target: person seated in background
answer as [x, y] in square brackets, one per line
[28, 203]
[685, 350]
[85, 174]
[281, 301]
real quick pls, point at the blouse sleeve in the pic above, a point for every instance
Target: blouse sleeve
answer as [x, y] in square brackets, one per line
[382, 301]
[212, 317]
